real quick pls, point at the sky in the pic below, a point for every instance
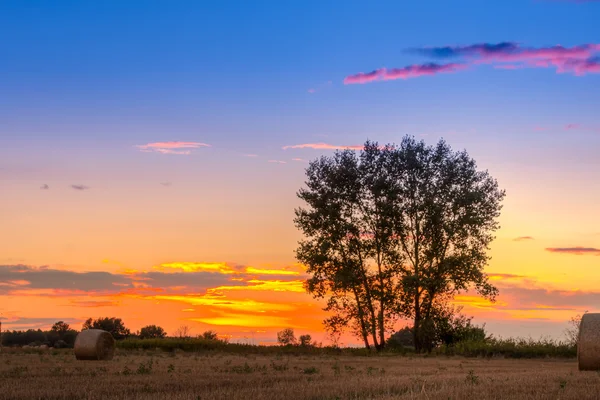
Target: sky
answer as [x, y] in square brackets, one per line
[151, 151]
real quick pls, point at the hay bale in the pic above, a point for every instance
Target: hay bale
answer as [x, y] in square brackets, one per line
[94, 344]
[588, 343]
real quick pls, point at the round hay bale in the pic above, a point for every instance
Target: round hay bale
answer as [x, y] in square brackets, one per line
[588, 343]
[94, 344]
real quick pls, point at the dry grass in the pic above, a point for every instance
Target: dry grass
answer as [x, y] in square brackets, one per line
[160, 375]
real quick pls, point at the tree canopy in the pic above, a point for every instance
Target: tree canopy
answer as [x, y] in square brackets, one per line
[115, 326]
[152, 332]
[395, 232]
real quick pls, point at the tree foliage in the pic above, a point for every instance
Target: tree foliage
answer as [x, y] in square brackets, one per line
[394, 232]
[115, 326]
[305, 340]
[184, 331]
[572, 332]
[209, 335]
[286, 337]
[152, 332]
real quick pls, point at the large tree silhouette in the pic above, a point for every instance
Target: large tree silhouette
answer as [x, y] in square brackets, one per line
[395, 231]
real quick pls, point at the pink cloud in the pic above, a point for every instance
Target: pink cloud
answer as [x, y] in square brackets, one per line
[183, 148]
[322, 146]
[277, 162]
[522, 238]
[578, 60]
[411, 71]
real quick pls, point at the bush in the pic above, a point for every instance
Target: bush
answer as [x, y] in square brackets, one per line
[152, 332]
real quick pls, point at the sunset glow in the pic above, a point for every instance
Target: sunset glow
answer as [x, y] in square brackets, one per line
[150, 155]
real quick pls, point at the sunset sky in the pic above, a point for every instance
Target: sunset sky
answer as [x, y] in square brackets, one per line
[151, 151]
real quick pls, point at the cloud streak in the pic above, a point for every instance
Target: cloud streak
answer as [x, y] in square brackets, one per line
[80, 187]
[411, 71]
[175, 147]
[44, 187]
[574, 250]
[576, 60]
[322, 146]
[523, 238]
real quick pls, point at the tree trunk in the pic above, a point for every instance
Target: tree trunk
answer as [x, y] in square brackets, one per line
[363, 328]
[416, 327]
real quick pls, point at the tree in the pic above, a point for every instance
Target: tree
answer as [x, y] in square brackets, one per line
[572, 332]
[152, 332]
[286, 337]
[60, 328]
[115, 326]
[305, 340]
[183, 331]
[395, 232]
[209, 335]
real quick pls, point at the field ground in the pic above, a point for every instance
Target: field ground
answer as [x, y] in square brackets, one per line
[145, 375]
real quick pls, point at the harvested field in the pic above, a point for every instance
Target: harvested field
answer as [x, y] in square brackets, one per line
[160, 375]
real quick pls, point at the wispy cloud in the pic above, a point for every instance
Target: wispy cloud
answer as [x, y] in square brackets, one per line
[44, 187]
[522, 238]
[166, 183]
[322, 146]
[80, 187]
[277, 162]
[411, 71]
[578, 60]
[251, 155]
[299, 159]
[182, 148]
[574, 250]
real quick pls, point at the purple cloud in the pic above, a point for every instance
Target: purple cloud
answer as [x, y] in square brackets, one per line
[411, 71]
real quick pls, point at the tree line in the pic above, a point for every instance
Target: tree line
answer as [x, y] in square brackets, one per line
[395, 232]
[62, 335]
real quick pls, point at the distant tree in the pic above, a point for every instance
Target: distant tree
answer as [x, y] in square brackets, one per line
[286, 337]
[402, 338]
[60, 328]
[394, 232]
[305, 340]
[115, 326]
[209, 335]
[184, 331]
[63, 333]
[572, 332]
[152, 332]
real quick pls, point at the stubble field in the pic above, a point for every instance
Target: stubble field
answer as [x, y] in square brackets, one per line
[160, 375]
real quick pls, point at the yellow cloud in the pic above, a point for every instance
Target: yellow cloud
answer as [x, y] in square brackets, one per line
[221, 268]
[252, 270]
[248, 321]
[238, 305]
[275, 286]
